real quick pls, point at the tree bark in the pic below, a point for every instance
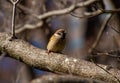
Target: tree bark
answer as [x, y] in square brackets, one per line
[54, 62]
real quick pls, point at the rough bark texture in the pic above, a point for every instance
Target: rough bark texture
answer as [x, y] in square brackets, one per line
[54, 62]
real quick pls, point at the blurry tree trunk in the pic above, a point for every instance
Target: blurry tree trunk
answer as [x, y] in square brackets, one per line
[77, 28]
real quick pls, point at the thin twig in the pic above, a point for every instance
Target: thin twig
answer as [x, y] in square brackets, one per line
[95, 13]
[112, 11]
[29, 26]
[112, 53]
[118, 31]
[100, 33]
[67, 10]
[14, 3]
[50, 14]
[64, 11]
[106, 71]
[60, 12]
[87, 14]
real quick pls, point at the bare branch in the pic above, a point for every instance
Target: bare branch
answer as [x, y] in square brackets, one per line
[29, 26]
[100, 33]
[54, 62]
[60, 12]
[88, 14]
[118, 31]
[14, 3]
[112, 53]
[112, 11]
[106, 70]
[70, 9]
[67, 10]
[95, 13]
[51, 13]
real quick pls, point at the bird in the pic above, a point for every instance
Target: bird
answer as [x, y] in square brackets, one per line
[57, 41]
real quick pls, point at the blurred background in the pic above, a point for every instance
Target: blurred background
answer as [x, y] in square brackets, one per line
[81, 33]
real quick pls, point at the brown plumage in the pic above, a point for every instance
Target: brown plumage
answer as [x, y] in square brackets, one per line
[57, 41]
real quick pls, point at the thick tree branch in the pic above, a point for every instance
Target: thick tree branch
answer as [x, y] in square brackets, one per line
[63, 79]
[54, 62]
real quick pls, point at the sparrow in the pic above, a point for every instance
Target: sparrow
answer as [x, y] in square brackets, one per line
[57, 41]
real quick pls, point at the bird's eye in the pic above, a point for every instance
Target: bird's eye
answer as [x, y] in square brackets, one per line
[59, 33]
